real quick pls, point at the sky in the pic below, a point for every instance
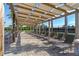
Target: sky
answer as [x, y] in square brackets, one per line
[57, 23]
[7, 19]
[60, 21]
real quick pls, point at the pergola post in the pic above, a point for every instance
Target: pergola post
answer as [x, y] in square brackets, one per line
[77, 24]
[36, 29]
[30, 28]
[45, 30]
[14, 31]
[33, 28]
[39, 28]
[49, 30]
[42, 28]
[66, 28]
[52, 26]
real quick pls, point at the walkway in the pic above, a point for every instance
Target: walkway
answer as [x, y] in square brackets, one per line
[30, 46]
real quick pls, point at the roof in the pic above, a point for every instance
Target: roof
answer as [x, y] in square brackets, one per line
[34, 13]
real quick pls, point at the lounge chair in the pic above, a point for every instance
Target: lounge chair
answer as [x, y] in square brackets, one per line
[59, 36]
[66, 44]
[41, 36]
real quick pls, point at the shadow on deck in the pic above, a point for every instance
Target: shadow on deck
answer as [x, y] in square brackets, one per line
[18, 49]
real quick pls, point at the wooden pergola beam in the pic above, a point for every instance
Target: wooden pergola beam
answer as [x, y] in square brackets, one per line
[60, 16]
[68, 6]
[58, 8]
[31, 15]
[38, 11]
[48, 13]
[71, 7]
[27, 23]
[31, 21]
[20, 16]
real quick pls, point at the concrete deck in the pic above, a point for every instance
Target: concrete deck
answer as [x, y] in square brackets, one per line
[29, 45]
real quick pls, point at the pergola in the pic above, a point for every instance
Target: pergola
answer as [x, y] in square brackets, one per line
[33, 14]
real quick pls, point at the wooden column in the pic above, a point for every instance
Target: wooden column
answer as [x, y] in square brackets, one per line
[52, 26]
[33, 28]
[77, 24]
[49, 30]
[30, 28]
[36, 29]
[15, 27]
[39, 28]
[42, 27]
[44, 30]
[1, 30]
[66, 28]
[14, 31]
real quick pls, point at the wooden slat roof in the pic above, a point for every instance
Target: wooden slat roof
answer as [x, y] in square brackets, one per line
[33, 13]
